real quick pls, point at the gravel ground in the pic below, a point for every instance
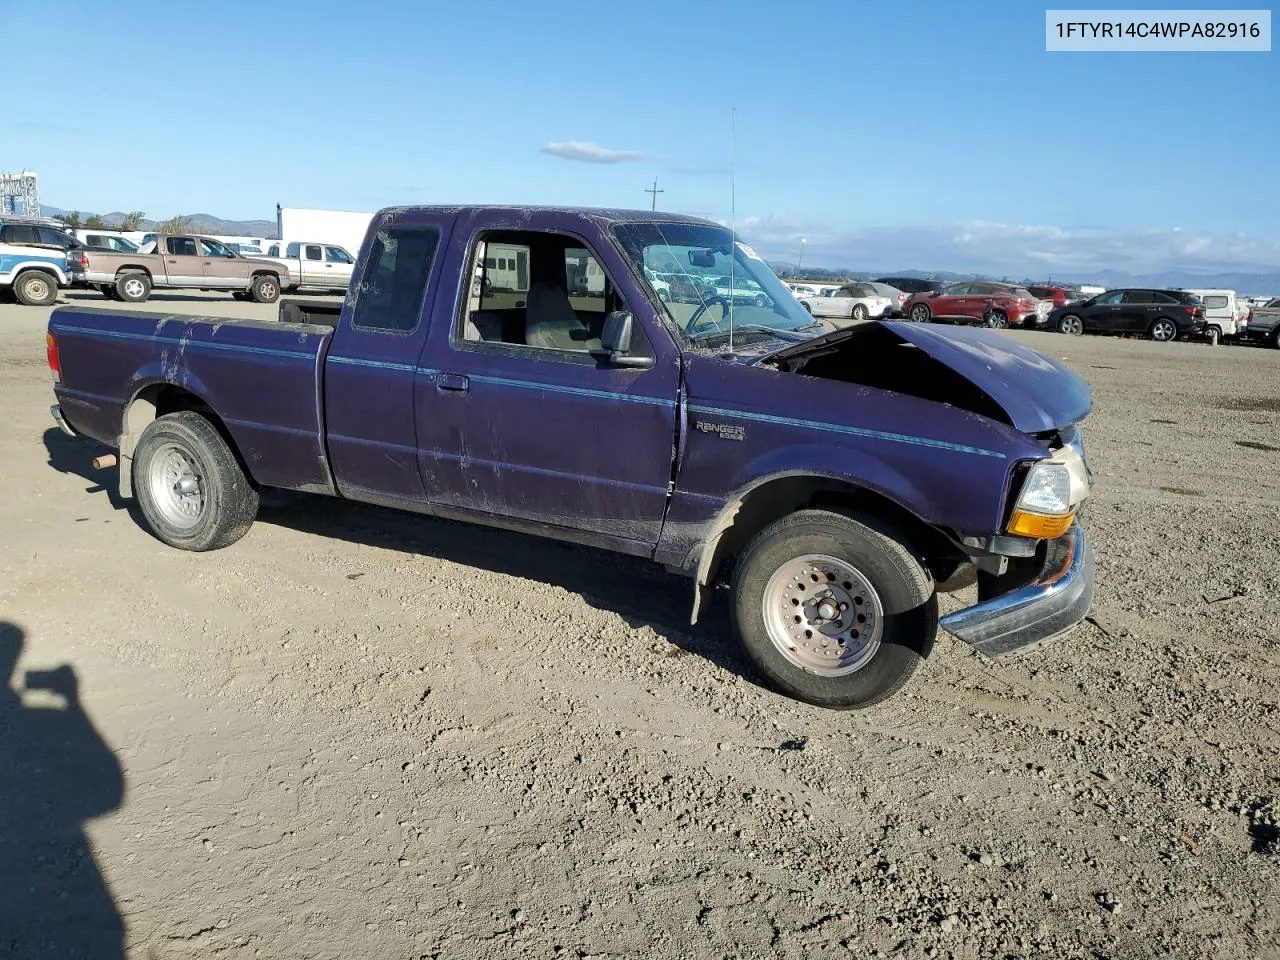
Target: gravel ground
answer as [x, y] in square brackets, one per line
[361, 733]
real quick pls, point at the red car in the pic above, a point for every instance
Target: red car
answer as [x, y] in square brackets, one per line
[1058, 296]
[979, 301]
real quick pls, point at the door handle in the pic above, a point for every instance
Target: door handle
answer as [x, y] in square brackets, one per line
[452, 381]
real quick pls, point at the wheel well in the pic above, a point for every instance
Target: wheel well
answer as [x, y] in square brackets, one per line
[265, 273]
[154, 402]
[37, 269]
[775, 499]
[133, 268]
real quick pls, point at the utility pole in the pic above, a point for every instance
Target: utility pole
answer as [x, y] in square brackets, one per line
[653, 192]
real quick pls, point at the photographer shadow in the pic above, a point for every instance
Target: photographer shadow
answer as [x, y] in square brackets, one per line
[57, 772]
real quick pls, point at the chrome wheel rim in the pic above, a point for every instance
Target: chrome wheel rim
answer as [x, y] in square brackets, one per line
[1163, 330]
[268, 289]
[133, 288]
[823, 615]
[1071, 326]
[177, 485]
[997, 320]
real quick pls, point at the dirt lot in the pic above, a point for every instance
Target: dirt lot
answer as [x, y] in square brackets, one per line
[361, 734]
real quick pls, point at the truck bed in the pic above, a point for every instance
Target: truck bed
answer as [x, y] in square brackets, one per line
[263, 378]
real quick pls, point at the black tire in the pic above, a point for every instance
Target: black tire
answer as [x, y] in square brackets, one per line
[265, 288]
[921, 313]
[1071, 325]
[1275, 339]
[228, 502]
[859, 312]
[35, 288]
[997, 320]
[905, 590]
[133, 287]
[108, 290]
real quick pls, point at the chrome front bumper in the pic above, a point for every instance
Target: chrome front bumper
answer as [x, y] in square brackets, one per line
[1052, 603]
[61, 421]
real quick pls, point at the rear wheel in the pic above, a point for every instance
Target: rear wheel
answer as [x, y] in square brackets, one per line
[859, 312]
[1164, 330]
[190, 487]
[133, 287]
[920, 313]
[1071, 325]
[833, 608]
[35, 288]
[996, 319]
[265, 288]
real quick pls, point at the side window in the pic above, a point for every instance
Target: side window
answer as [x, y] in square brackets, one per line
[1109, 299]
[395, 280]
[1163, 298]
[56, 237]
[293, 250]
[19, 234]
[1215, 302]
[1139, 296]
[337, 255]
[957, 290]
[180, 246]
[538, 291]
[844, 292]
[314, 252]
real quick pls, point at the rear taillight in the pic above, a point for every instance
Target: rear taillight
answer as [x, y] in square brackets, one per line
[55, 361]
[82, 260]
[1194, 311]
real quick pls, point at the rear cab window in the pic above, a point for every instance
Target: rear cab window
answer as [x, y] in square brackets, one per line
[389, 295]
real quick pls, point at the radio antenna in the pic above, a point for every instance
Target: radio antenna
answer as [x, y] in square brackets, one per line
[733, 214]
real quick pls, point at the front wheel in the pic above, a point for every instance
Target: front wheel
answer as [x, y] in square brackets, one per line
[1071, 325]
[191, 489]
[265, 288]
[1164, 330]
[35, 288]
[833, 608]
[920, 313]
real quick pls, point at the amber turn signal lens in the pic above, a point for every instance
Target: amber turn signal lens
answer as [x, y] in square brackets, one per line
[1024, 524]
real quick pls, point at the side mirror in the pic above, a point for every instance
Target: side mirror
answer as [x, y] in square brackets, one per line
[615, 342]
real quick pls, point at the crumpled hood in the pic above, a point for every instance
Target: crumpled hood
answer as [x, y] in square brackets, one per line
[1038, 394]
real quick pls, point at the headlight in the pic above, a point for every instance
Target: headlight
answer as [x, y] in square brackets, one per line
[1051, 493]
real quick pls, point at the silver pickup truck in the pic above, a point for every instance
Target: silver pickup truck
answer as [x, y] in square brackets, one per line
[315, 266]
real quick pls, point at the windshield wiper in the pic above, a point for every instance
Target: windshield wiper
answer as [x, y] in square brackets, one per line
[755, 328]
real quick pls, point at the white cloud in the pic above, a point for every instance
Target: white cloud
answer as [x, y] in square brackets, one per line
[588, 152]
[1008, 249]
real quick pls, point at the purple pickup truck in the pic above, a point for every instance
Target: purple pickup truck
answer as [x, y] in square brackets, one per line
[512, 366]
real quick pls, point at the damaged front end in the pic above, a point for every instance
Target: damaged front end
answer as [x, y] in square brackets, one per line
[1035, 575]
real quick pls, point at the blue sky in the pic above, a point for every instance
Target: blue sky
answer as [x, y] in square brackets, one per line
[889, 135]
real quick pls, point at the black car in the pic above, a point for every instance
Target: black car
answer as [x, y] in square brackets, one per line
[28, 233]
[1160, 314]
[912, 284]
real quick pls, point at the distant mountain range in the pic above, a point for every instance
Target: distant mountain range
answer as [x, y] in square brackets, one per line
[200, 223]
[1248, 284]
